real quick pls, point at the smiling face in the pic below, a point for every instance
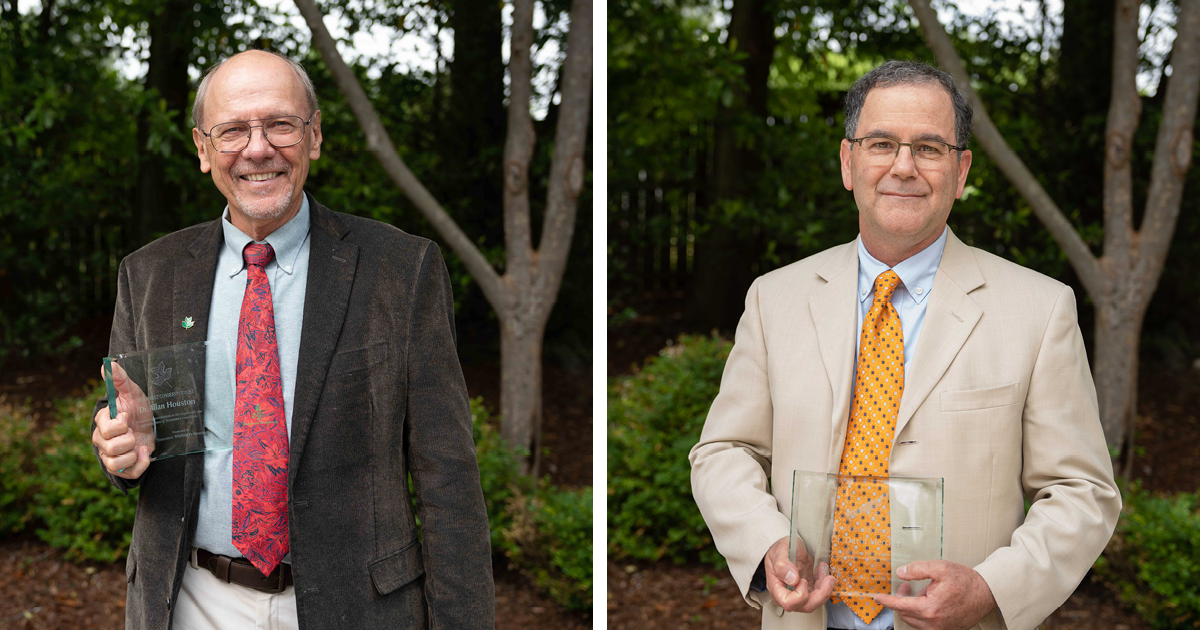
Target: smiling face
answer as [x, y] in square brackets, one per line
[263, 184]
[903, 206]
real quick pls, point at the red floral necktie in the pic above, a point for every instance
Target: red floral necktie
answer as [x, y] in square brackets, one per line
[260, 440]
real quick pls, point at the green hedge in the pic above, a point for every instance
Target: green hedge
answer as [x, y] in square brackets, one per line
[544, 531]
[1153, 559]
[52, 485]
[654, 420]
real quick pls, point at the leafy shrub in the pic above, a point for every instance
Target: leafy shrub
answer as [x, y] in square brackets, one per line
[81, 511]
[549, 539]
[1153, 559]
[54, 484]
[654, 419]
[498, 470]
[16, 463]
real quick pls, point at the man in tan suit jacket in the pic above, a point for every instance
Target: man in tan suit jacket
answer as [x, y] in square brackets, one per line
[997, 398]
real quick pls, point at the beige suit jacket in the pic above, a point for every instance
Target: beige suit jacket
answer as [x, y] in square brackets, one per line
[998, 401]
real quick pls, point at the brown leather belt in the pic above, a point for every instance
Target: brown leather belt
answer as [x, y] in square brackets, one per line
[239, 571]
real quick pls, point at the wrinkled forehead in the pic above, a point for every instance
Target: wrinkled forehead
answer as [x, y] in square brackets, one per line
[923, 109]
[260, 86]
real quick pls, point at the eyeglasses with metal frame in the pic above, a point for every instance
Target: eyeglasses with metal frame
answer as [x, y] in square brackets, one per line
[884, 150]
[289, 130]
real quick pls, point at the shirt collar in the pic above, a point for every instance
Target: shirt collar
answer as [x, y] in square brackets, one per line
[286, 240]
[916, 272]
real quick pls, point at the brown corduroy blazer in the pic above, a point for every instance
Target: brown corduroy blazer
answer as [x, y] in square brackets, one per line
[999, 403]
[379, 396]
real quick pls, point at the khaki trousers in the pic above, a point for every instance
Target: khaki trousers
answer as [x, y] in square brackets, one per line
[206, 603]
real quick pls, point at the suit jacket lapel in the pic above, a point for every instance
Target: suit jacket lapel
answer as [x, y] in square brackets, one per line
[832, 308]
[949, 319]
[191, 297]
[331, 268]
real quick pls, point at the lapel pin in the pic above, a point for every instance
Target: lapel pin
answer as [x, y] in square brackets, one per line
[187, 322]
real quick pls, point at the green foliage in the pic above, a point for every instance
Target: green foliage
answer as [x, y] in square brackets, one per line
[17, 452]
[549, 538]
[69, 131]
[544, 531]
[654, 419]
[498, 470]
[1153, 559]
[80, 510]
[52, 484]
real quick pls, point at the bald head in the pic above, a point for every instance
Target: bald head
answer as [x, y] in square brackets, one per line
[246, 69]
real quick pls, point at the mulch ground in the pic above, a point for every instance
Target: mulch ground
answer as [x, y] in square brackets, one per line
[664, 595]
[41, 590]
[651, 595]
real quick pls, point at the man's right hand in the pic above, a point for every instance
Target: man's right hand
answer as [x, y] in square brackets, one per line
[126, 441]
[796, 590]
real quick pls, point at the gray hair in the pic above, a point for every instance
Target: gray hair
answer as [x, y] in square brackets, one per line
[908, 73]
[310, 94]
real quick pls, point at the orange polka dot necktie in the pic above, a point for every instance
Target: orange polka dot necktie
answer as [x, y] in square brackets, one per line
[861, 553]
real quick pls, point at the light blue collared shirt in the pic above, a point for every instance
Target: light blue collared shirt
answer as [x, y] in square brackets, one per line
[910, 299]
[287, 273]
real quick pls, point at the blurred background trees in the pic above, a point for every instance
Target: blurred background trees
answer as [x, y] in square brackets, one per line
[97, 157]
[725, 121]
[724, 124]
[96, 160]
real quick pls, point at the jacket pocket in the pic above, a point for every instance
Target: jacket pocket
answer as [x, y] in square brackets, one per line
[358, 359]
[972, 399]
[397, 568]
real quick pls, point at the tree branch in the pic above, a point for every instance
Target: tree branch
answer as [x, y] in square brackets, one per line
[381, 145]
[1123, 111]
[518, 147]
[1080, 257]
[566, 167]
[1174, 147]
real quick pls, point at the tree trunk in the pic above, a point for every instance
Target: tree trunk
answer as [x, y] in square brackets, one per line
[723, 256]
[525, 294]
[1115, 366]
[473, 129]
[166, 80]
[1123, 280]
[521, 383]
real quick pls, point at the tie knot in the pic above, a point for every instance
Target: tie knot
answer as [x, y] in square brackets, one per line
[259, 254]
[885, 285]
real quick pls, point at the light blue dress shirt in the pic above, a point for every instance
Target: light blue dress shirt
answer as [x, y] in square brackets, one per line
[910, 299]
[287, 273]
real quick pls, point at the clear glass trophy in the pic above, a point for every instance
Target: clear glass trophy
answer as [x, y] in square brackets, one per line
[163, 391]
[822, 505]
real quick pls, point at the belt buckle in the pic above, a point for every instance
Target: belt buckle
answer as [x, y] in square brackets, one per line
[277, 588]
[280, 587]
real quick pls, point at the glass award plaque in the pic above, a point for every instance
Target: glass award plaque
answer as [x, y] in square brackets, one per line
[830, 512]
[163, 391]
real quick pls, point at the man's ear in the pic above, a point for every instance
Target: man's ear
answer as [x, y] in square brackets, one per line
[201, 149]
[314, 152]
[847, 174]
[964, 167]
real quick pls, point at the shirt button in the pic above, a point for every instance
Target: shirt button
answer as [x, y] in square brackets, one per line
[918, 290]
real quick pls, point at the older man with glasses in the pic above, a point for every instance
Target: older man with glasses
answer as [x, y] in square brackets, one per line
[347, 383]
[907, 354]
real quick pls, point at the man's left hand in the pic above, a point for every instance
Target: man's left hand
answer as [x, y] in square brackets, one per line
[956, 599]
